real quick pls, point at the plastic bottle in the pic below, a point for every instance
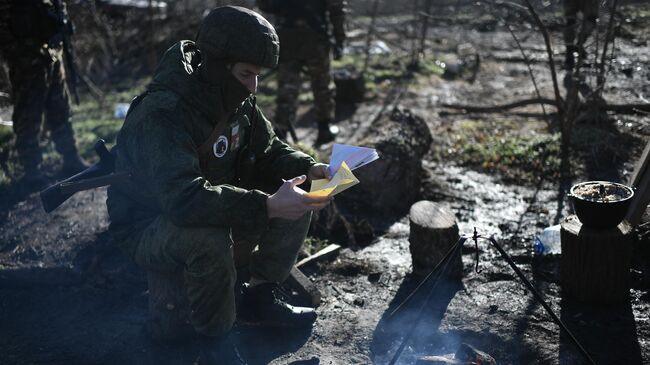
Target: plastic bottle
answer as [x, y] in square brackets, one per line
[120, 110]
[548, 242]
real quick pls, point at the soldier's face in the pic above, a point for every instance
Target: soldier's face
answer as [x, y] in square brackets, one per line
[247, 74]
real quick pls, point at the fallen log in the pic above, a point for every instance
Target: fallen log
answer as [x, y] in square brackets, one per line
[617, 108]
[500, 108]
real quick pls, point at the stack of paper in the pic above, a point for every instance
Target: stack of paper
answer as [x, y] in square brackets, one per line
[343, 180]
[344, 159]
[354, 156]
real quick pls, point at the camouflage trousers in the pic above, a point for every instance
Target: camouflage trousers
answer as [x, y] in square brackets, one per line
[206, 256]
[589, 10]
[39, 89]
[317, 67]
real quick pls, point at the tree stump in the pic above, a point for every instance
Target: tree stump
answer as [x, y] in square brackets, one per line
[433, 232]
[595, 264]
[168, 306]
[391, 184]
[388, 187]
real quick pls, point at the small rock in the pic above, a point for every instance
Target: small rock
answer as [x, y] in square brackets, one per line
[359, 302]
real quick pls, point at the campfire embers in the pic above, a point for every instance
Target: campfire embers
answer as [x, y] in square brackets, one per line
[465, 355]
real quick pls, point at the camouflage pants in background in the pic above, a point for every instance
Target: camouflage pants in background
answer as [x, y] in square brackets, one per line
[589, 10]
[317, 67]
[206, 256]
[39, 88]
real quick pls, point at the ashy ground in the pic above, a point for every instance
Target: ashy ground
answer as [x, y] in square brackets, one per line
[67, 296]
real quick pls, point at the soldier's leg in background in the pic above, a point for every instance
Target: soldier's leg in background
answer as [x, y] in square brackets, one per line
[287, 96]
[57, 116]
[570, 16]
[206, 256]
[589, 10]
[322, 87]
[278, 249]
[28, 81]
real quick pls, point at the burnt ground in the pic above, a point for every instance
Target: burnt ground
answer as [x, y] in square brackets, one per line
[67, 296]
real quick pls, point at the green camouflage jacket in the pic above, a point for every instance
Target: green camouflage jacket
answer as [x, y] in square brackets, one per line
[159, 145]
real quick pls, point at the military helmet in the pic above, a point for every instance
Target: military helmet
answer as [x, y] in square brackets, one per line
[238, 34]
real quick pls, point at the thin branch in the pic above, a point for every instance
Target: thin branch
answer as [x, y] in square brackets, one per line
[369, 36]
[549, 51]
[530, 70]
[500, 108]
[608, 38]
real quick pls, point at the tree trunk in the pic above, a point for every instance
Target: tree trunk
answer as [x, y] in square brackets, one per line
[433, 232]
[595, 264]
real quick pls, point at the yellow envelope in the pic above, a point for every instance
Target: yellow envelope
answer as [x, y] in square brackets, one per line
[342, 180]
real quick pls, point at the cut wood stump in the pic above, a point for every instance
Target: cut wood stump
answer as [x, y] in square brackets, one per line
[168, 306]
[433, 232]
[595, 264]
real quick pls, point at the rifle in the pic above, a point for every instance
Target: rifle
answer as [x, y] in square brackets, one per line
[101, 173]
[67, 29]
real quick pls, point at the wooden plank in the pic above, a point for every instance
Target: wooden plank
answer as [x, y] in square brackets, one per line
[641, 182]
[323, 254]
[304, 287]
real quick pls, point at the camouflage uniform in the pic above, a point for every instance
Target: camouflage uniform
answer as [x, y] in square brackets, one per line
[303, 33]
[589, 10]
[38, 81]
[183, 206]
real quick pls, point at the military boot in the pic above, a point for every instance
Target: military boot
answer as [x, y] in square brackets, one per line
[263, 305]
[65, 145]
[326, 133]
[569, 57]
[219, 350]
[34, 179]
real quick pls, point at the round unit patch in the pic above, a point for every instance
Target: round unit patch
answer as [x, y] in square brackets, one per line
[220, 147]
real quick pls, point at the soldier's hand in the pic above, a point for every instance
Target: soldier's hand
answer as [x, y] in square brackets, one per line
[319, 171]
[289, 202]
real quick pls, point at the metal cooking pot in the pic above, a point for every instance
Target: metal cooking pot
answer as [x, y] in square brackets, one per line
[600, 215]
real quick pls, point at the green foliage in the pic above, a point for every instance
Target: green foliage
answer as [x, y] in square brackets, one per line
[514, 156]
[91, 120]
[314, 244]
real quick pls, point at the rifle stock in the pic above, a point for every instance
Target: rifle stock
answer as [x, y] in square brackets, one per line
[99, 174]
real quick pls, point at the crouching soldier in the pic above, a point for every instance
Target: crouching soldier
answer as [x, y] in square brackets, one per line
[196, 146]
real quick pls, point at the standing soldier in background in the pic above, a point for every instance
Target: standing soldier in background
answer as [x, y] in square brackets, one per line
[304, 32]
[31, 42]
[589, 10]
